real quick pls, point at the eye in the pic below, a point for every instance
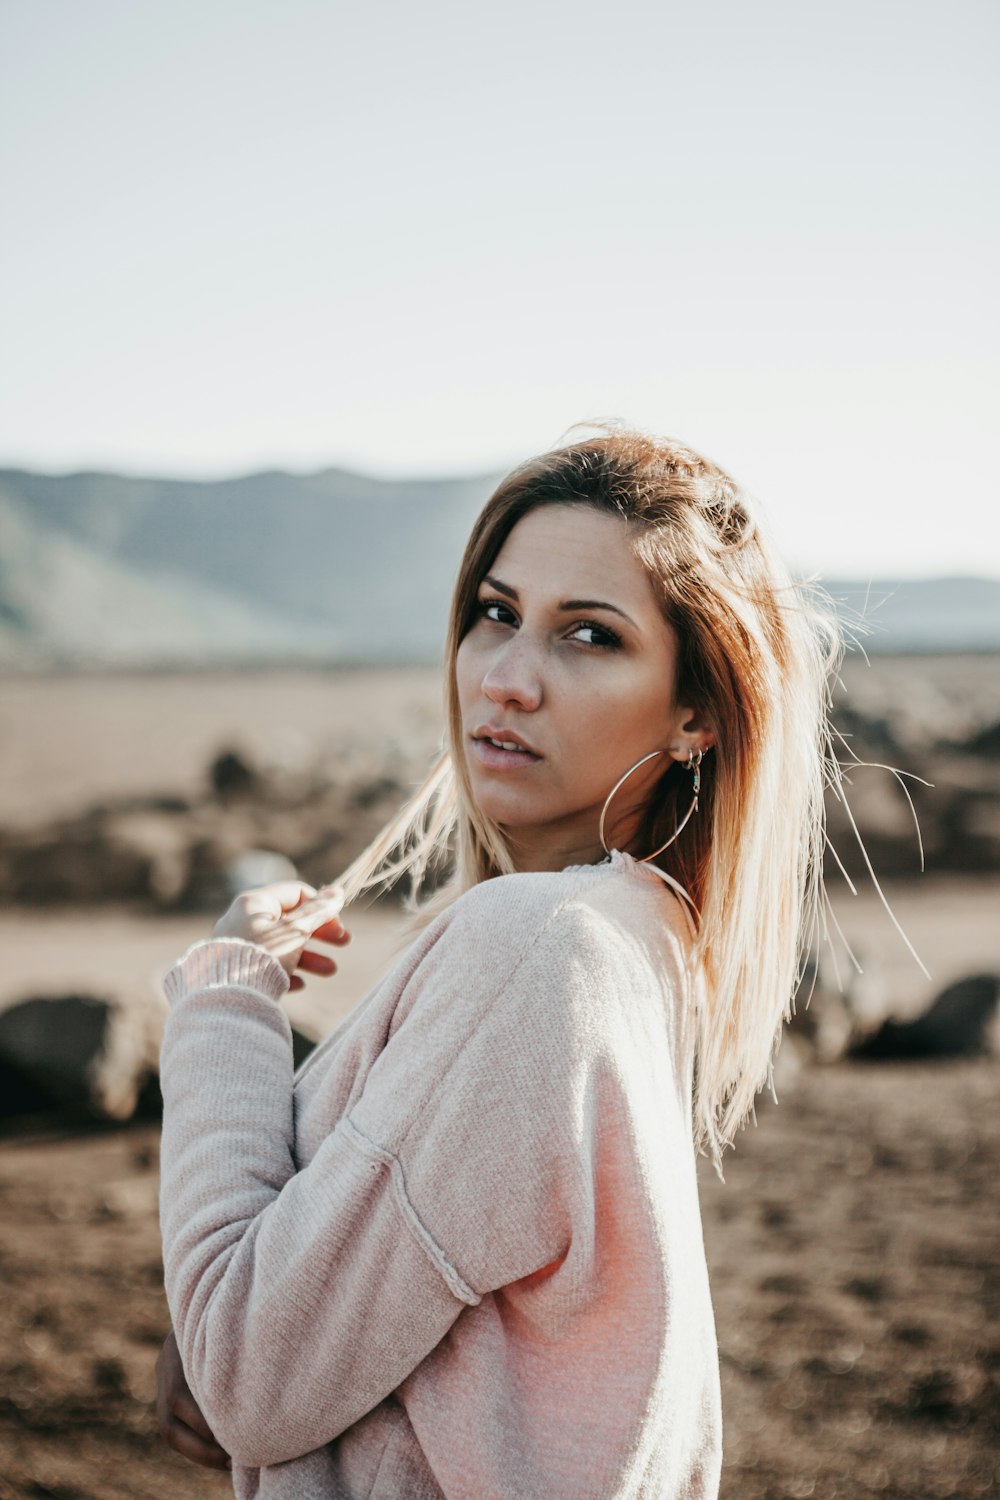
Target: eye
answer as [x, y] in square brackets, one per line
[496, 610]
[599, 635]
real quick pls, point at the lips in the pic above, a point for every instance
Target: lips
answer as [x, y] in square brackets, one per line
[501, 748]
[503, 739]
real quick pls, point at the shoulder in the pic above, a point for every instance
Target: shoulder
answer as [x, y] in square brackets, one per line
[610, 921]
[521, 986]
[515, 913]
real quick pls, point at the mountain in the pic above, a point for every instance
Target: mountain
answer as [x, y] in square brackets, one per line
[101, 569]
[106, 570]
[920, 614]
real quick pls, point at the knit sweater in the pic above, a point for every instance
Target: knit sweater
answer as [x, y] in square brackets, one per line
[459, 1253]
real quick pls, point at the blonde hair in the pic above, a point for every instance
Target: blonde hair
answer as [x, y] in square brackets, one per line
[756, 654]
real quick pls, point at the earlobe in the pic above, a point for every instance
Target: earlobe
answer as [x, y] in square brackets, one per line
[684, 754]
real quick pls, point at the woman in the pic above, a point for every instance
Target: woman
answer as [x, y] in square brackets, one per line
[460, 1252]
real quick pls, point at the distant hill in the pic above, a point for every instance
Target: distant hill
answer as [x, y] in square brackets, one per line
[921, 614]
[105, 570]
[102, 569]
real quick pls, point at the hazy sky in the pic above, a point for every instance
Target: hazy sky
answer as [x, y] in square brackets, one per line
[425, 238]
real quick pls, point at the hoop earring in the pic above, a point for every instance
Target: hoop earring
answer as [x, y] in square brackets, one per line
[694, 766]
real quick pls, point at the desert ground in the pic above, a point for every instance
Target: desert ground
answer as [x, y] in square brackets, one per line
[852, 1246]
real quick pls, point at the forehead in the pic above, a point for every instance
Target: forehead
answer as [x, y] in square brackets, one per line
[574, 551]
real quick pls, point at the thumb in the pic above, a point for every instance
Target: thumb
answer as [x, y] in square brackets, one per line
[276, 900]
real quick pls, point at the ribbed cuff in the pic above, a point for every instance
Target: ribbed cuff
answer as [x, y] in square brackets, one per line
[215, 963]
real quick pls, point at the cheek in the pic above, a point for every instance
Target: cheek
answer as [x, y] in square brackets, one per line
[630, 719]
[603, 728]
[616, 709]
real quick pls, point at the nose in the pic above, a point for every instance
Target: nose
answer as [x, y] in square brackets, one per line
[513, 675]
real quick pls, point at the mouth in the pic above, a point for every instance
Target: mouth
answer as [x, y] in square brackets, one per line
[502, 749]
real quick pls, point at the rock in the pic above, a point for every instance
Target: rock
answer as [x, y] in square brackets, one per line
[376, 789]
[232, 774]
[832, 1015]
[79, 1052]
[962, 1021]
[255, 868]
[986, 742]
[879, 808]
[85, 1057]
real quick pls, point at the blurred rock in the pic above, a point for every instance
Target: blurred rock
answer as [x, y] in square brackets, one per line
[231, 774]
[84, 1057]
[953, 785]
[986, 742]
[255, 868]
[962, 1021]
[317, 814]
[836, 1011]
[180, 854]
[378, 789]
[78, 1052]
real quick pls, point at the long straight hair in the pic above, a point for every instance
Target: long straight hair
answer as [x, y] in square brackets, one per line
[757, 651]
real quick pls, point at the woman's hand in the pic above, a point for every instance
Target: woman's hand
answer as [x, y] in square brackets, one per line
[282, 918]
[182, 1426]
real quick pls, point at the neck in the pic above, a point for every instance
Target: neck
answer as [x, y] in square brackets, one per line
[533, 857]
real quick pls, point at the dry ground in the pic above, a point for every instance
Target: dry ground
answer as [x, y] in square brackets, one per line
[71, 740]
[68, 741]
[853, 1256]
[853, 1247]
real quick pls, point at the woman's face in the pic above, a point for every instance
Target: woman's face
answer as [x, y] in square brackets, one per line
[569, 661]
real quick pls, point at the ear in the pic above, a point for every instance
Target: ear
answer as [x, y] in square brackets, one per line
[693, 732]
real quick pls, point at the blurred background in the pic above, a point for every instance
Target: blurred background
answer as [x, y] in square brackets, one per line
[285, 288]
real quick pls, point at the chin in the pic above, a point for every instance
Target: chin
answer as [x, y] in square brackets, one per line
[498, 810]
[502, 807]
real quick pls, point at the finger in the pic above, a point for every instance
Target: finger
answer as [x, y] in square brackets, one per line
[283, 941]
[184, 1407]
[325, 906]
[332, 932]
[306, 892]
[317, 963]
[188, 1444]
[276, 899]
[322, 970]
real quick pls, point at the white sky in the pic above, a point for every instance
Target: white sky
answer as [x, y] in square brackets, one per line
[425, 238]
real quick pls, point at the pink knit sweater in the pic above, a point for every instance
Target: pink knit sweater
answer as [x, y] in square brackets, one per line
[459, 1253]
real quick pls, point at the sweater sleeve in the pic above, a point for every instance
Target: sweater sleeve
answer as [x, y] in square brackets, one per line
[302, 1298]
[299, 1299]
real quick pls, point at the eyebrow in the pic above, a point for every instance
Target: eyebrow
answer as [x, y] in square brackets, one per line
[567, 604]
